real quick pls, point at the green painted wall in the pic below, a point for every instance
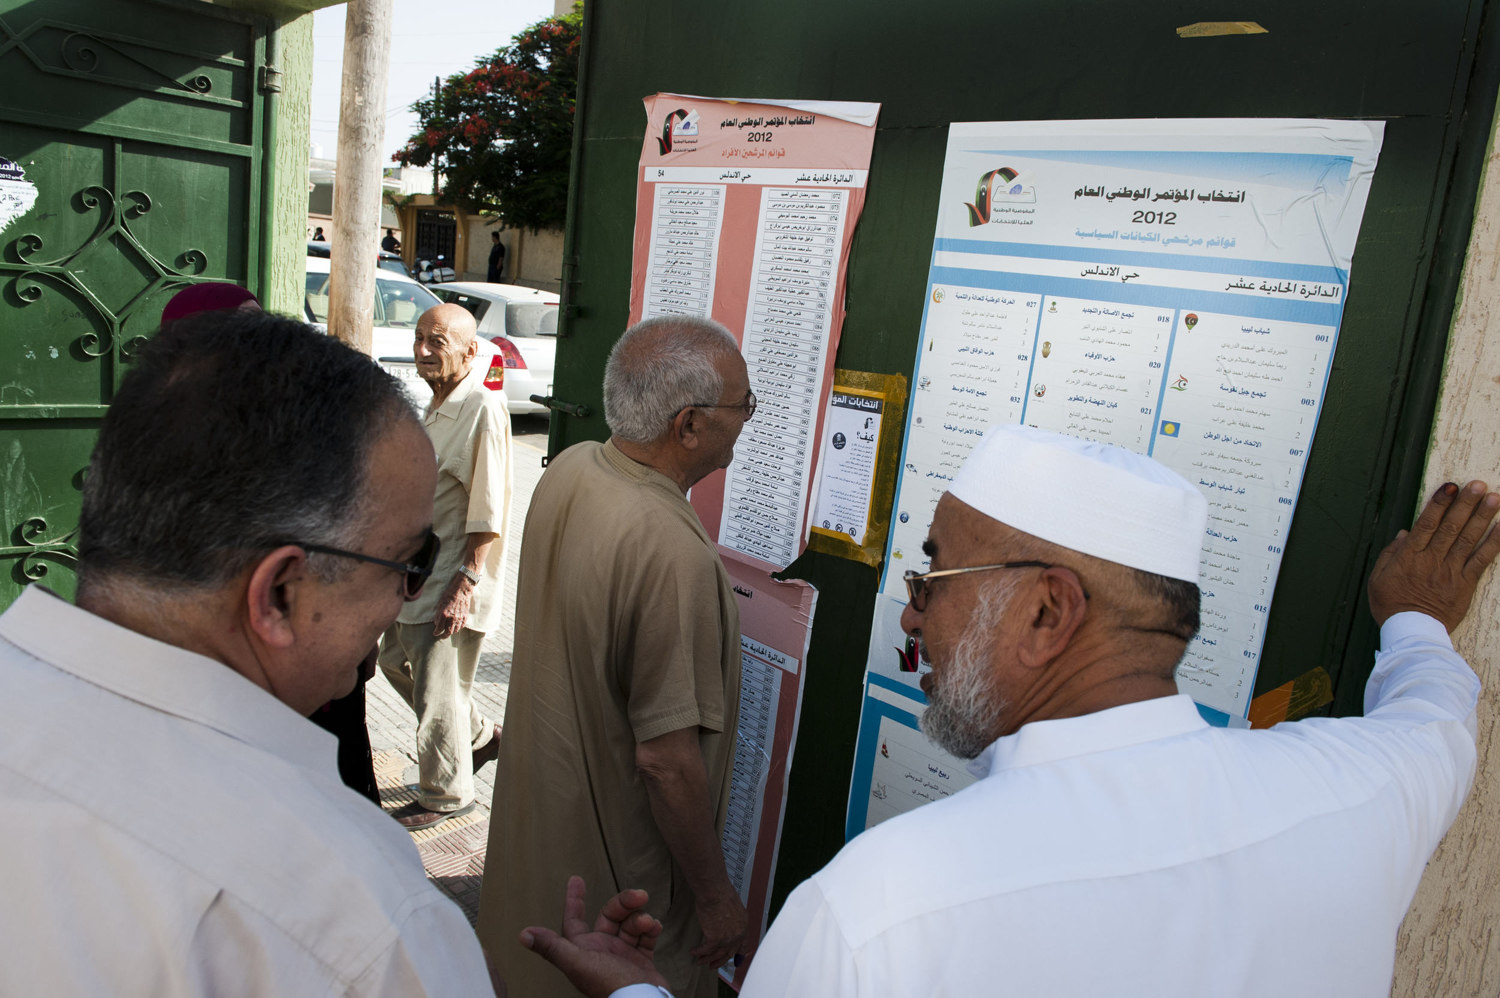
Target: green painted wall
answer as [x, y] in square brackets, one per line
[286, 207]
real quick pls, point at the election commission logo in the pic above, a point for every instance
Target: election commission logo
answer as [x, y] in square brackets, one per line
[998, 187]
[679, 132]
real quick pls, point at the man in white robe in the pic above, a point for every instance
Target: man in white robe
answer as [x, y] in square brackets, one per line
[1115, 843]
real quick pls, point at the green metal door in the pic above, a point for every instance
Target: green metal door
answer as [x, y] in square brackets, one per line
[133, 131]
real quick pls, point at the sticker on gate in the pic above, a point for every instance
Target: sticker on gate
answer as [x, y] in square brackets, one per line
[17, 194]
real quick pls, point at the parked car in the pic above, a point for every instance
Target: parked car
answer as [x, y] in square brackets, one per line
[383, 260]
[399, 302]
[522, 323]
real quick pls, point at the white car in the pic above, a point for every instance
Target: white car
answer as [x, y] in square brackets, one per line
[522, 324]
[399, 302]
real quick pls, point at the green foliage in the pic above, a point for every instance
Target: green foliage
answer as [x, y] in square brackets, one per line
[502, 133]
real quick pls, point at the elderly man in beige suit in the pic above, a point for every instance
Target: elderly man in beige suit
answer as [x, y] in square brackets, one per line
[431, 652]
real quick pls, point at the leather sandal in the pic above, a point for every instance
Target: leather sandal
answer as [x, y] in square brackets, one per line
[414, 817]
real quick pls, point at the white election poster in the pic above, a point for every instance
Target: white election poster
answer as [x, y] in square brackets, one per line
[1174, 287]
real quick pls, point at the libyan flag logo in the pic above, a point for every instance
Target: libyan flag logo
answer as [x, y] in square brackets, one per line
[665, 142]
[984, 196]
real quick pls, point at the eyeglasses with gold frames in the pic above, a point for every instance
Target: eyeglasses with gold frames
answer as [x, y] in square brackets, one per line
[917, 584]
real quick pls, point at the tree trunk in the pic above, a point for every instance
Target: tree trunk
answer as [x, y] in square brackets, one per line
[357, 183]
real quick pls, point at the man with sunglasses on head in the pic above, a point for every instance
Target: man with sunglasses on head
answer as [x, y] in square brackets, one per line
[624, 696]
[431, 652]
[256, 512]
[1114, 843]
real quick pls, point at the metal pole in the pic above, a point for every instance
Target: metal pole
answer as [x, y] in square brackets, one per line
[357, 185]
[437, 90]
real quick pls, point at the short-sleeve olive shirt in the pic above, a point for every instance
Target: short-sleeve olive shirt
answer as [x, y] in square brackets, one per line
[626, 629]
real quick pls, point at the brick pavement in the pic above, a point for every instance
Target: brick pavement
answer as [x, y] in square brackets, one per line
[453, 852]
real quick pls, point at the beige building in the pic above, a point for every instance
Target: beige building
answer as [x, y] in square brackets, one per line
[427, 226]
[532, 259]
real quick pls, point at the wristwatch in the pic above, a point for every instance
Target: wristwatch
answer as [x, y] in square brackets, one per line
[469, 574]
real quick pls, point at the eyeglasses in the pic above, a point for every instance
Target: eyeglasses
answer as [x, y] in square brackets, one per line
[748, 405]
[917, 585]
[417, 570]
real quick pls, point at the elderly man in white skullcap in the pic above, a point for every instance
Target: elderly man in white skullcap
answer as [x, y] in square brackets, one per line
[1115, 843]
[1104, 541]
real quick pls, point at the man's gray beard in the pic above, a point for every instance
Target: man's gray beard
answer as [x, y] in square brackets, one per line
[963, 712]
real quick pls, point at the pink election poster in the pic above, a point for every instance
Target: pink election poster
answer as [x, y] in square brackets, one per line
[775, 627]
[745, 210]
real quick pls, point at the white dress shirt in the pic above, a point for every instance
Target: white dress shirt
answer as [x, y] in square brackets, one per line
[172, 829]
[470, 433]
[1139, 851]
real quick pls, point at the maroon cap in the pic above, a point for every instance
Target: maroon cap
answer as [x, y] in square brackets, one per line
[214, 297]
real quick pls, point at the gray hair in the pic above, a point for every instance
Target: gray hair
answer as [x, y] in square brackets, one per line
[233, 433]
[658, 367]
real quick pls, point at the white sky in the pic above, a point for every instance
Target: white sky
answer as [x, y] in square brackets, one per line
[428, 38]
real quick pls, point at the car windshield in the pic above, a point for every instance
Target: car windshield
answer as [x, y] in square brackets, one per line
[404, 302]
[530, 318]
[398, 303]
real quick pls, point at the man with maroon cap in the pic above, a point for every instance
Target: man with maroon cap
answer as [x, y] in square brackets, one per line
[211, 296]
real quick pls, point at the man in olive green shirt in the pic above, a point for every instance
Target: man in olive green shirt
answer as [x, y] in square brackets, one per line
[624, 691]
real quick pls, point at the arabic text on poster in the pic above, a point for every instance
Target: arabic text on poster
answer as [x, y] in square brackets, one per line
[1171, 287]
[744, 213]
[852, 435]
[1174, 288]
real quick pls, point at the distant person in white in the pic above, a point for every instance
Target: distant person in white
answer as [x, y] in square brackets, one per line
[1115, 843]
[257, 509]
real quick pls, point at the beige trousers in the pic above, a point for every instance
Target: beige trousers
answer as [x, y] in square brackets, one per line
[435, 676]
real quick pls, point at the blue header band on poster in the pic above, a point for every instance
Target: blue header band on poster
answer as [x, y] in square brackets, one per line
[1146, 258]
[1249, 306]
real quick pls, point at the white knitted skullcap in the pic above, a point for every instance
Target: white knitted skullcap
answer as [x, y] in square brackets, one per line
[1095, 498]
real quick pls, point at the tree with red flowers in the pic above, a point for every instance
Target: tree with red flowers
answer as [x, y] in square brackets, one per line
[501, 134]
